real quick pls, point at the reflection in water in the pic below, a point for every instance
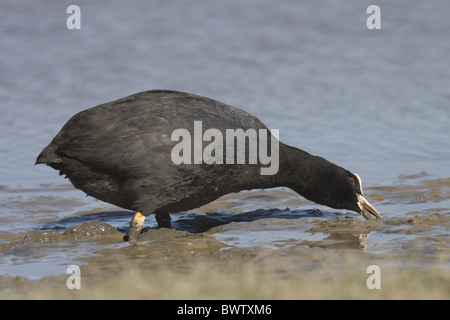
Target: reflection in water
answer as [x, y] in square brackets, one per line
[197, 223]
[343, 240]
[362, 240]
[191, 222]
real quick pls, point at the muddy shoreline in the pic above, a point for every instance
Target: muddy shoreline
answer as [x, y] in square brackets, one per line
[233, 249]
[173, 264]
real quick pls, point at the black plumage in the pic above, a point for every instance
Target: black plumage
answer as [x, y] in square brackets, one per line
[120, 152]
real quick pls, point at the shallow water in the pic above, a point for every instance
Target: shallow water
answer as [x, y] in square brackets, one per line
[375, 102]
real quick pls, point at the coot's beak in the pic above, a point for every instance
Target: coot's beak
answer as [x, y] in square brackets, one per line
[366, 208]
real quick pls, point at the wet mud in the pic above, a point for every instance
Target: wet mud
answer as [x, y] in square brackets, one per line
[220, 252]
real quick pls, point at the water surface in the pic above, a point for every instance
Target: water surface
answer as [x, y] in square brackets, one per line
[373, 101]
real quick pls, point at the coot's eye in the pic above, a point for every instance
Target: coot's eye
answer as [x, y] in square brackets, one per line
[352, 181]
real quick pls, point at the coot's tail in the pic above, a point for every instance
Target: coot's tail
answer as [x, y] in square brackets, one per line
[48, 156]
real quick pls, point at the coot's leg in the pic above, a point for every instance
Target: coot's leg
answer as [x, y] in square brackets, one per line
[136, 225]
[163, 220]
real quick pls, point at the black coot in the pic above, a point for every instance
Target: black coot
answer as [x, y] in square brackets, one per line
[129, 153]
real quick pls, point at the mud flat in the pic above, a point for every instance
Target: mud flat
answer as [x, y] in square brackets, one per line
[231, 248]
[172, 264]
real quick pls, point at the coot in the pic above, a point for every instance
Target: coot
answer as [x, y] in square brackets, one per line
[165, 151]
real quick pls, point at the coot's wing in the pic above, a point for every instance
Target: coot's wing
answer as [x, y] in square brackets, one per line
[127, 154]
[130, 137]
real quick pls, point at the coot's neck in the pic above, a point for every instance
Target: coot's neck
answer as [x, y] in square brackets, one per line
[298, 170]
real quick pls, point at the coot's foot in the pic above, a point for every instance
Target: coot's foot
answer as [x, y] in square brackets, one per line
[163, 220]
[136, 225]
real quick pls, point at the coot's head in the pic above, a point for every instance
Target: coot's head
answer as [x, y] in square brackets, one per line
[338, 188]
[362, 205]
